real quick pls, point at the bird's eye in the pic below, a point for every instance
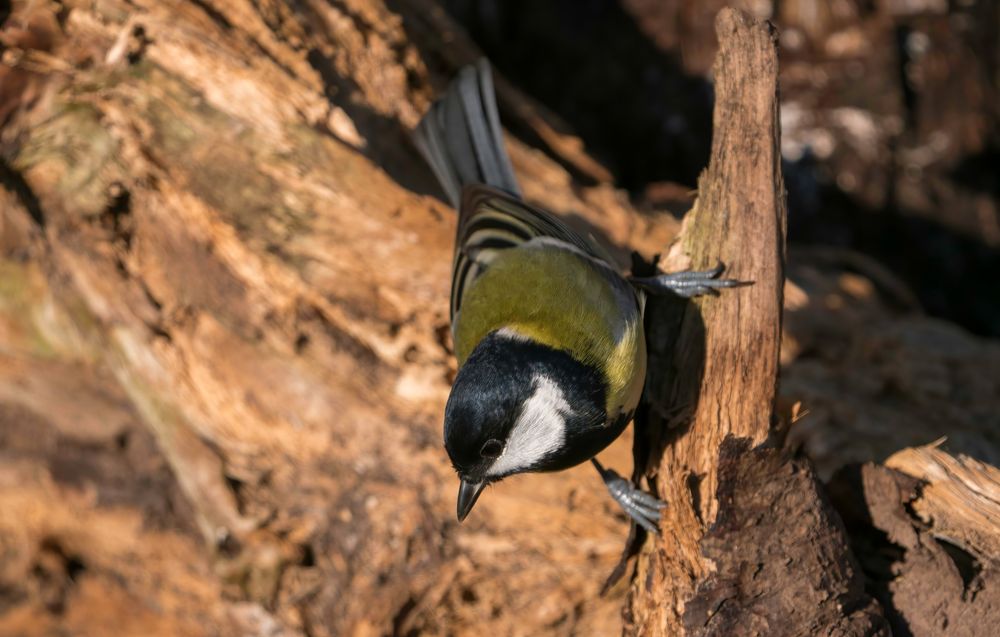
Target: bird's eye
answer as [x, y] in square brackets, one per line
[491, 449]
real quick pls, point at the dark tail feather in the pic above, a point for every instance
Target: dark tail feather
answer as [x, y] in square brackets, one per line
[461, 139]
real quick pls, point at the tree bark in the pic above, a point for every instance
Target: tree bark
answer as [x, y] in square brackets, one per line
[748, 544]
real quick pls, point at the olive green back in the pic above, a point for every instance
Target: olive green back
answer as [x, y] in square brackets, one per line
[555, 294]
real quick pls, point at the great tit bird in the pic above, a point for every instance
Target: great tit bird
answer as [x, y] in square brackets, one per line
[548, 334]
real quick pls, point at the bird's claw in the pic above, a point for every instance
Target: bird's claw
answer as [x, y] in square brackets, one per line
[689, 283]
[642, 507]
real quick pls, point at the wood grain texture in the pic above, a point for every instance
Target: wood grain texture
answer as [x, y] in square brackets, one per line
[960, 499]
[713, 380]
[213, 210]
[716, 368]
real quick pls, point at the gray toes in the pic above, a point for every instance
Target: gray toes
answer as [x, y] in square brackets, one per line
[643, 508]
[649, 499]
[649, 525]
[689, 283]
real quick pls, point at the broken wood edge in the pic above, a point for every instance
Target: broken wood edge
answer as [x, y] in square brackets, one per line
[960, 498]
[901, 548]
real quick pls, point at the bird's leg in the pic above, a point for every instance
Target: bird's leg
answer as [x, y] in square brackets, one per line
[642, 507]
[688, 283]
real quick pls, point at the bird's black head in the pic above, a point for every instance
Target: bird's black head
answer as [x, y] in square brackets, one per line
[518, 406]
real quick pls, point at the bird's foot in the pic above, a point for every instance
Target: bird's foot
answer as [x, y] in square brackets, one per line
[642, 507]
[689, 283]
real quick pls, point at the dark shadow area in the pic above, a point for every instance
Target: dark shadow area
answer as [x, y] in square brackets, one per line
[675, 338]
[980, 172]
[14, 182]
[877, 555]
[951, 273]
[966, 564]
[675, 344]
[589, 63]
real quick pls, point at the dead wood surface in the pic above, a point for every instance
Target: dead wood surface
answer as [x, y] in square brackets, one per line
[961, 498]
[927, 516]
[718, 367]
[224, 352]
[224, 355]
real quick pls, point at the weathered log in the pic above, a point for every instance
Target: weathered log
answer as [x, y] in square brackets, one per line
[213, 217]
[748, 544]
[925, 528]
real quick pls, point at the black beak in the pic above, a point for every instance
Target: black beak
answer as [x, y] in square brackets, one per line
[468, 493]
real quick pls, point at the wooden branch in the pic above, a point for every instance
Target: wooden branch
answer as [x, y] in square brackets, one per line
[748, 545]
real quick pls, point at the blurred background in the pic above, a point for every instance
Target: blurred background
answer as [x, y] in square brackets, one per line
[224, 349]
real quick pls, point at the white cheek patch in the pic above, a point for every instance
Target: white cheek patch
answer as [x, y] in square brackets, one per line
[540, 430]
